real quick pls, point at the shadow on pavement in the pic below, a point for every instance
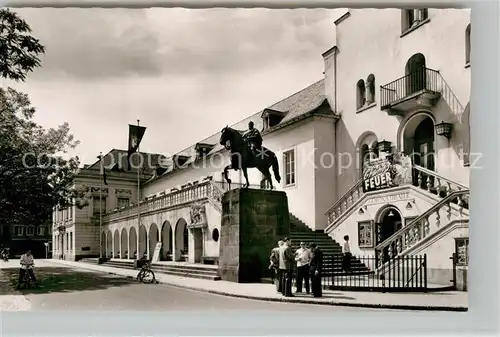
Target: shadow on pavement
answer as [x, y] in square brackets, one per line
[62, 280]
[325, 295]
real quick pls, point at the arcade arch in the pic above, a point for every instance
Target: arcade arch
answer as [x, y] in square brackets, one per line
[167, 237]
[154, 238]
[132, 243]
[116, 244]
[124, 244]
[143, 236]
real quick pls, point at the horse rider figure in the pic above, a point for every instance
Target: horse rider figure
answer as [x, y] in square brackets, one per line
[253, 139]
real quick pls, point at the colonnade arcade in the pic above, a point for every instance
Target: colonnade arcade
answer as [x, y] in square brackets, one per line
[127, 241]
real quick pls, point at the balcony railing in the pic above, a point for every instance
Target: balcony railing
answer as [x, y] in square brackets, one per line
[207, 190]
[422, 226]
[423, 80]
[423, 178]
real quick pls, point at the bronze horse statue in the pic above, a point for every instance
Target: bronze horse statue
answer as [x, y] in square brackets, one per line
[243, 158]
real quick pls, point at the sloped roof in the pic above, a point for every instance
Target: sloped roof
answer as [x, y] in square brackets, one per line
[294, 106]
[119, 158]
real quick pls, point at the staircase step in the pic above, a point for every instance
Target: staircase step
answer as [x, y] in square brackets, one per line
[301, 232]
[205, 272]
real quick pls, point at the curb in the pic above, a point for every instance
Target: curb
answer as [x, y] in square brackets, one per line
[303, 301]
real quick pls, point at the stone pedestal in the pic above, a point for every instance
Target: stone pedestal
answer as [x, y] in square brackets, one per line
[252, 223]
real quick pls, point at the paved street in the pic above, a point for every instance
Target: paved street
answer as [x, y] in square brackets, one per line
[69, 288]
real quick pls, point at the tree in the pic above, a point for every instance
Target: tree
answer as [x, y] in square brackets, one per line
[34, 176]
[19, 51]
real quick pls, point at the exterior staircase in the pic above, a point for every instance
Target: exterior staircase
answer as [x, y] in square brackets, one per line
[427, 180]
[450, 212]
[332, 251]
[412, 238]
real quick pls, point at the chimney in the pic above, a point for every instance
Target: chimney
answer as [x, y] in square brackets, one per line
[330, 72]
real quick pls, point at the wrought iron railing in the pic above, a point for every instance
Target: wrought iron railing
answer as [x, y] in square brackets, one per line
[424, 79]
[407, 273]
[421, 80]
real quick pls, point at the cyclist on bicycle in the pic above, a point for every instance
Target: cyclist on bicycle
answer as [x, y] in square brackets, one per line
[5, 254]
[26, 270]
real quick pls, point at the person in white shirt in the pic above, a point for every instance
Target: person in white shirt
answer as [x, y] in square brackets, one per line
[27, 263]
[303, 257]
[346, 263]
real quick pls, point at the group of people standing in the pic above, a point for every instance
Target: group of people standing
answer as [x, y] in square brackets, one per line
[308, 259]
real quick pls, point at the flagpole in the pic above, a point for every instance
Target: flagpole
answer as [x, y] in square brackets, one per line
[100, 204]
[138, 196]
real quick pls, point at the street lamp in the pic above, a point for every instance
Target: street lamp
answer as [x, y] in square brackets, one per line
[46, 250]
[444, 129]
[384, 146]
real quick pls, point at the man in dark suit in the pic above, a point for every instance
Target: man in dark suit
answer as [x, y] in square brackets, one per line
[286, 267]
[315, 270]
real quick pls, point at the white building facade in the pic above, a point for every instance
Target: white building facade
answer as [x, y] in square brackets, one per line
[394, 77]
[389, 83]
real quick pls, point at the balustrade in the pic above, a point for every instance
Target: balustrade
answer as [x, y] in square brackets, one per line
[421, 227]
[344, 203]
[209, 190]
[186, 195]
[425, 179]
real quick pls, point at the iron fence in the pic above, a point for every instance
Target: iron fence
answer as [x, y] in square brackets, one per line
[399, 274]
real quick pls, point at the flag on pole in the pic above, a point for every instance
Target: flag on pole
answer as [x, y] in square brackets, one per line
[103, 171]
[135, 134]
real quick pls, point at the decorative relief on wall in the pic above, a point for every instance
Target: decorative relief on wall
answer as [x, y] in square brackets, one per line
[82, 196]
[365, 234]
[198, 216]
[123, 191]
[97, 190]
[384, 199]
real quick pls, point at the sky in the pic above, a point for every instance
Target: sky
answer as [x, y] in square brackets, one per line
[183, 73]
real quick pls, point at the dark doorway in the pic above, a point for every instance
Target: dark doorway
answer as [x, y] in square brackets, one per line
[423, 152]
[415, 74]
[390, 223]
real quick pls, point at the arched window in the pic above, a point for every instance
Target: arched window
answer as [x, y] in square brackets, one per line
[415, 71]
[364, 150]
[374, 150]
[365, 156]
[467, 44]
[370, 89]
[360, 94]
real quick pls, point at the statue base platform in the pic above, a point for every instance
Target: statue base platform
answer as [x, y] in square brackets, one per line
[252, 223]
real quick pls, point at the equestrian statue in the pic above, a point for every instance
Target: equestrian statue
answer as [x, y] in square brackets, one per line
[247, 152]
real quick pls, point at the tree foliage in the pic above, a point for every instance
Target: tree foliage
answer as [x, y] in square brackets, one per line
[34, 176]
[19, 51]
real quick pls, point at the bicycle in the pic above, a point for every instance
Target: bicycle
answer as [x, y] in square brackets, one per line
[27, 279]
[146, 274]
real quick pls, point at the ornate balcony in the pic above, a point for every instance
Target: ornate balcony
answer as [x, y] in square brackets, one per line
[419, 89]
[209, 190]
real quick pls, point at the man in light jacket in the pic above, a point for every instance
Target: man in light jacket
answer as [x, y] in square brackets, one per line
[286, 267]
[274, 265]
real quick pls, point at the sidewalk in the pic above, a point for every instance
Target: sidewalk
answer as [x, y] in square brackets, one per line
[10, 299]
[442, 301]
